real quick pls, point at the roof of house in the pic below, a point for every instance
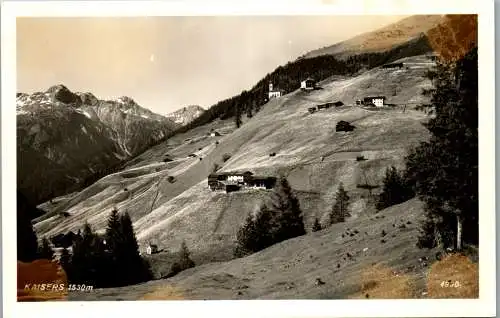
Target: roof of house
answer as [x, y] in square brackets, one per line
[372, 97]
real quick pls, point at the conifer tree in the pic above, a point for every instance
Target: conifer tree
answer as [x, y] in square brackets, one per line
[113, 234]
[287, 215]
[395, 189]
[316, 226]
[340, 209]
[129, 253]
[444, 170]
[65, 261]
[45, 250]
[256, 233]
[237, 117]
[184, 261]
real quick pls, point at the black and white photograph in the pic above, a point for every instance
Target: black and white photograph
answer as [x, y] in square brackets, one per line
[248, 157]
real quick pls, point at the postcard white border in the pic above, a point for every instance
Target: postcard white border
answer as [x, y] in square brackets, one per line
[484, 306]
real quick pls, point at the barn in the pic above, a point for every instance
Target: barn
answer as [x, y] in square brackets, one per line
[308, 84]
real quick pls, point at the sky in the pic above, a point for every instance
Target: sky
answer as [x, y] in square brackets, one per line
[165, 63]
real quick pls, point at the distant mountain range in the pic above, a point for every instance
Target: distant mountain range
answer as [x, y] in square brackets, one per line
[186, 115]
[64, 138]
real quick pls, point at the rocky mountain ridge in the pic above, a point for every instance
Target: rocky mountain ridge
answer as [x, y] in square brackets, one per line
[65, 137]
[186, 114]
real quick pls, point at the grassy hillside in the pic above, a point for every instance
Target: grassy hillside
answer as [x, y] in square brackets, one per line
[350, 266]
[309, 152]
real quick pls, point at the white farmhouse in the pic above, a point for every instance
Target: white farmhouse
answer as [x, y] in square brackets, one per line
[235, 179]
[378, 101]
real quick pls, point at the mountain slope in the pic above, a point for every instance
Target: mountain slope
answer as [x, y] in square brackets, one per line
[64, 138]
[384, 38]
[314, 160]
[186, 115]
[290, 269]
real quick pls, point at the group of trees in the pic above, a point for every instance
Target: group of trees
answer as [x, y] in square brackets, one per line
[282, 219]
[101, 261]
[443, 172]
[109, 260]
[272, 223]
[396, 189]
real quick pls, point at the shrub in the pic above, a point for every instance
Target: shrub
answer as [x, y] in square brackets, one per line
[184, 261]
[226, 157]
[171, 179]
[215, 167]
[316, 226]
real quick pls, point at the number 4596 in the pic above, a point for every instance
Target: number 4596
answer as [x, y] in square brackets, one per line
[449, 283]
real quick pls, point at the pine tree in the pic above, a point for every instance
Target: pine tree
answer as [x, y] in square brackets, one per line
[257, 232]
[287, 215]
[184, 261]
[27, 243]
[113, 235]
[316, 226]
[395, 189]
[444, 170]
[249, 112]
[340, 209]
[130, 252]
[65, 261]
[45, 250]
[237, 118]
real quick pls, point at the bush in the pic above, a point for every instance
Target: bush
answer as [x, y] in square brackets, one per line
[171, 179]
[316, 226]
[226, 157]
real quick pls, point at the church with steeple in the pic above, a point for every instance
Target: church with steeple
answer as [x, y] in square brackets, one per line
[273, 92]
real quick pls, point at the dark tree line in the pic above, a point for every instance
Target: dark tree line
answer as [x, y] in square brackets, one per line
[101, 261]
[109, 260]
